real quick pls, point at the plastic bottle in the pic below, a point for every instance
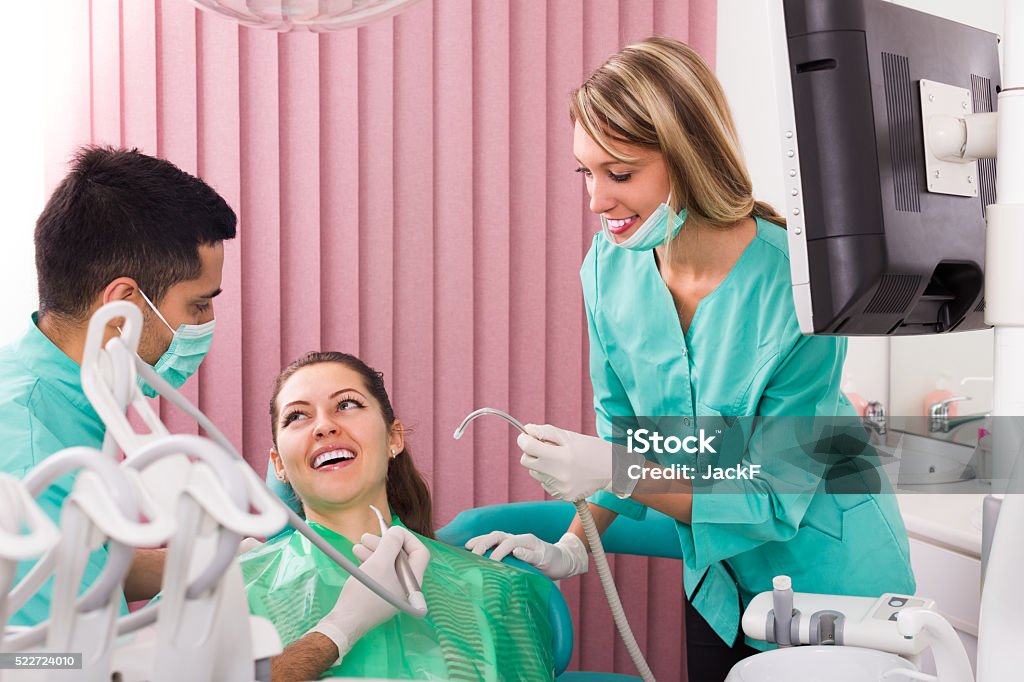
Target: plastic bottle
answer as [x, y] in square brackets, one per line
[941, 392]
[859, 402]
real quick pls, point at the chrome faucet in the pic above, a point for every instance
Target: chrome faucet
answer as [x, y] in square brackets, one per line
[874, 417]
[939, 420]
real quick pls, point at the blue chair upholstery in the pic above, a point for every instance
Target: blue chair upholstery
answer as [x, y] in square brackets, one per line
[654, 536]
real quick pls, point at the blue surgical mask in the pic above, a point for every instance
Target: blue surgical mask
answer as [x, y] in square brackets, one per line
[189, 346]
[661, 226]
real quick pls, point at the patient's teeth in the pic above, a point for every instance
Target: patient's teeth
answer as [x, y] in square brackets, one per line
[332, 455]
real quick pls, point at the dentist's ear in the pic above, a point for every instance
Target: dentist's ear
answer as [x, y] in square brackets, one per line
[275, 461]
[120, 289]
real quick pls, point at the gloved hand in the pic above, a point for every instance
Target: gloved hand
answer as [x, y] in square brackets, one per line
[564, 559]
[572, 466]
[358, 610]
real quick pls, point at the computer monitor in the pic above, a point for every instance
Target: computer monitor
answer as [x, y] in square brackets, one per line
[878, 244]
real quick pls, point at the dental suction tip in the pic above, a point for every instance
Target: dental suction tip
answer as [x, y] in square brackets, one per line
[491, 411]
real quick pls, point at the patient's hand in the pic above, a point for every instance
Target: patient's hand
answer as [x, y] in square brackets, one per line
[564, 559]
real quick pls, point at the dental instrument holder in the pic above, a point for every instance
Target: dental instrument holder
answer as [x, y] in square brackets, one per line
[596, 548]
[203, 600]
[823, 619]
[105, 506]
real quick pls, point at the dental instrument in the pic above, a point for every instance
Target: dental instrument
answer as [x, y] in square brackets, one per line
[491, 411]
[406, 577]
[596, 548]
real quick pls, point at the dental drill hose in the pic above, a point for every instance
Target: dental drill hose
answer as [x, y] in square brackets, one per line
[604, 572]
[611, 594]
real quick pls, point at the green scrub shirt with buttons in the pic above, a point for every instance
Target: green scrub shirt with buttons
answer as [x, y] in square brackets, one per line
[743, 355]
[43, 410]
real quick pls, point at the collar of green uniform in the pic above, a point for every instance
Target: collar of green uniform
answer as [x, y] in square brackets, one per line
[50, 364]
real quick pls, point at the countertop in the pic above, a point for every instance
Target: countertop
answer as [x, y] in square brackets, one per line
[937, 514]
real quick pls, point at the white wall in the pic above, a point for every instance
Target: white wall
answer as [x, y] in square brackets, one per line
[916, 364]
[22, 78]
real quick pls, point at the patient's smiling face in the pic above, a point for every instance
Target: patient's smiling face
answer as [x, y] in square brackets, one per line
[332, 440]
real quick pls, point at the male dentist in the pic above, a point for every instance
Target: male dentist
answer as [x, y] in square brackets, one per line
[122, 226]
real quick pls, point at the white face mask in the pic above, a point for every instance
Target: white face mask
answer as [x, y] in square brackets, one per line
[661, 226]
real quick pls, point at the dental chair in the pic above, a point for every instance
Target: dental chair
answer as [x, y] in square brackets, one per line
[655, 536]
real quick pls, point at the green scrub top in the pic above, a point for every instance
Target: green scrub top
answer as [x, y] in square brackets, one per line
[743, 355]
[42, 411]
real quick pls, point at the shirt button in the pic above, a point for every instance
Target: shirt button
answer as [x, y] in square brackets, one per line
[686, 421]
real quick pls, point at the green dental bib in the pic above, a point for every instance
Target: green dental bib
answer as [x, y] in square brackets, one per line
[485, 620]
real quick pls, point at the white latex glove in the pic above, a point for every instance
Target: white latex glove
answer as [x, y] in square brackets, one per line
[570, 465]
[564, 559]
[358, 610]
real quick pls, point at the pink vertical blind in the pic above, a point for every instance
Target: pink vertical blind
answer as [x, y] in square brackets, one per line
[405, 192]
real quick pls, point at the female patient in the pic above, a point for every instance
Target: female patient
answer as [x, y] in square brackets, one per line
[339, 446]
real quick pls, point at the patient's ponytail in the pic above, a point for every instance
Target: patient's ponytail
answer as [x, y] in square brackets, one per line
[408, 495]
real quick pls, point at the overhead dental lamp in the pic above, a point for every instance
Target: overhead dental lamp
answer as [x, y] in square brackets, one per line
[304, 15]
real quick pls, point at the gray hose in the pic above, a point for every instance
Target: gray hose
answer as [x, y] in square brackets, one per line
[610, 593]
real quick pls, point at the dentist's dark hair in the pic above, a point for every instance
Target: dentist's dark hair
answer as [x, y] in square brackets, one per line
[407, 492]
[122, 213]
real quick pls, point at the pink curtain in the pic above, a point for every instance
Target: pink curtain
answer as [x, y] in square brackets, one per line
[405, 192]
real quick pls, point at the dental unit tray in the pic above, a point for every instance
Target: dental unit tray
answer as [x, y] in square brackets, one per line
[819, 619]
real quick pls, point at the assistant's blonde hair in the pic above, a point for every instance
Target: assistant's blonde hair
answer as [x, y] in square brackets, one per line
[661, 95]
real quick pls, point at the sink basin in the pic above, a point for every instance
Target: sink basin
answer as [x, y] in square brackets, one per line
[819, 664]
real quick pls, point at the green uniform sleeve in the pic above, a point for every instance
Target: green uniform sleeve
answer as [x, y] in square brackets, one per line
[734, 516]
